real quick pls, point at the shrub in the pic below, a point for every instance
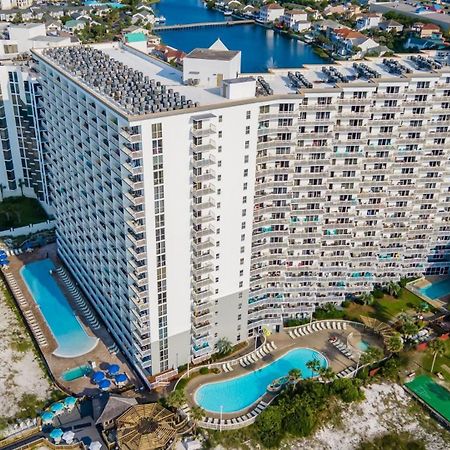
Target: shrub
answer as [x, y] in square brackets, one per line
[204, 371]
[378, 293]
[269, 426]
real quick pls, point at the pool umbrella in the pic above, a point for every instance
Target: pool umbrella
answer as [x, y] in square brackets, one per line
[104, 385]
[120, 378]
[47, 417]
[57, 407]
[56, 434]
[69, 402]
[113, 369]
[68, 436]
[98, 376]
[27, 246]
[2, 252]
[95, 445]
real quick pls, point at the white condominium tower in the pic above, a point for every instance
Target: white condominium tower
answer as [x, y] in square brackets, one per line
[196, 206]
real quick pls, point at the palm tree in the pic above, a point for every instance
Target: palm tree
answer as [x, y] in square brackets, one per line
[367, 298]
[223, 346]
[2, 186]
[394, 343]
[393, 289]
[197, 415]
[437, 347]
[295, 375]
[21, 185]
[371, 355]
[327, 373]
[176, 399]
[314, 366]
[409, 328]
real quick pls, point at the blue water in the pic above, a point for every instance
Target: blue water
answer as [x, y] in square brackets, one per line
[239, 393]
[363, 345]
[70, 336]
[437, 290]
[261, 48]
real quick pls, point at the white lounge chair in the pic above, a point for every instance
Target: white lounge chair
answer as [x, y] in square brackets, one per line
[292, 334]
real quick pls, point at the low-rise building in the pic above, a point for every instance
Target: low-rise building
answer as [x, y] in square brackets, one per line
[53, 26]
[391, 26]
[350, 42]
[292, 16]
[427, 30]
[145, 17]
[270, 13]
[72, 26]
[367, 21]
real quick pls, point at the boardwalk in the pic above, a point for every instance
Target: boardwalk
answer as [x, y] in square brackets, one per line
[185, 26]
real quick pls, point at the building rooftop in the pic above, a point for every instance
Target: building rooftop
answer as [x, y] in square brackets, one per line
[161, 78]
[207, 53]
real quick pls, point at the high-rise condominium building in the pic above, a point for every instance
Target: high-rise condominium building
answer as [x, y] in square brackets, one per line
[21, 160]
[190, 208]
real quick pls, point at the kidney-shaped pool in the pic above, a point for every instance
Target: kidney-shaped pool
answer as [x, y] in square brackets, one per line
[238, 393]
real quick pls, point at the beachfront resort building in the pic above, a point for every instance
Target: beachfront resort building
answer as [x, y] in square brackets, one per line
[21, 132]
[191, 211]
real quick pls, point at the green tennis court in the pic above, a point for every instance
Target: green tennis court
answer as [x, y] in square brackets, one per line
[433, 394]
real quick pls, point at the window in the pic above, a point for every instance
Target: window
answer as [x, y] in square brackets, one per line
[220, 119]
[247, 144]
[248, 115]
[220, 134]
[246, 159]
[247, 129]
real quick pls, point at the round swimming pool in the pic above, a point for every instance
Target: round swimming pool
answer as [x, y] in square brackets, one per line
[241, 392]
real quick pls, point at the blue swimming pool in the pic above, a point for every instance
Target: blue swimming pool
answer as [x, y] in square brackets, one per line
[239, 393]
[363, 345]
[68, 332]
[437, 290]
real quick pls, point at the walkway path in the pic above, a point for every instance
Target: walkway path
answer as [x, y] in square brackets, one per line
[185, 26]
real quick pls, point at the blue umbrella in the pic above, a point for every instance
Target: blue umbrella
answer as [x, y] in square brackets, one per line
[69, 402]
[121, 378]
[98, 376]
[47, 416]
[27, 245]
[57, 407]
[4, 262]
[56, 433]
[104, 385]
[113, 369]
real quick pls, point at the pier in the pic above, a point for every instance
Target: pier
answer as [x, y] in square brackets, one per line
[228, 23]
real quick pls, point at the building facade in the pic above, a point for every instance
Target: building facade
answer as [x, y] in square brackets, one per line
[22, 170]
[189, 214]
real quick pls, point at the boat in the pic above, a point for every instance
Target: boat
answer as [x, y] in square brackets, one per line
[227, 13]
[160, 19]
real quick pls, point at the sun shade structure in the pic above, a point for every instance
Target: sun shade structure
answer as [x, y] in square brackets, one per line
[68, 436]
[98, 376]
[69, 402]
[95, 445]
[57, 407]
[379, 327]
[113, 369]
[146, 427]
[120, 378]
[104, 385]
[47, 417]
[56, 434]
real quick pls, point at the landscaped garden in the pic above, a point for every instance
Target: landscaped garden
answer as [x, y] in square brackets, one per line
[20, 211]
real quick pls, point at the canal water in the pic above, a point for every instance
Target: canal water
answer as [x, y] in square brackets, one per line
[261, 48]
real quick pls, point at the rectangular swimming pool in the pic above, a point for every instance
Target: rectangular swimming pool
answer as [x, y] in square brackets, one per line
[67, 330]
[437, 290]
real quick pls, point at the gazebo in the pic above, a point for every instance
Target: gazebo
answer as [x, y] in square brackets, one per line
[146, 427]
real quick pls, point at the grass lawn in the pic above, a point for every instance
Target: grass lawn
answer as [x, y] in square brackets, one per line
[427, 360]
[384, 309]
[20, 211]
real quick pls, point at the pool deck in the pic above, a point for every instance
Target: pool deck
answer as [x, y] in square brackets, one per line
[424, 282]
[57, 365]
[316, 341]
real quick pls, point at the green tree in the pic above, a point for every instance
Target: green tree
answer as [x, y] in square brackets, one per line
[327, 373]
[197, 415]
[223, 346]
[366, 298]
[393, 289]
[347, 389]
[314, 366]
[269, 426]
[301, 418]
[393, 441]
[409, 328]
[394, 343]
[437, 348]
[371, 355]
[176, 399]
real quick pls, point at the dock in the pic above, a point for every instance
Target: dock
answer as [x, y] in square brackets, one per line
[228, 23]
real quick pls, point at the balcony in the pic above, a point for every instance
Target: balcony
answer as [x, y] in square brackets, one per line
[204, 146]
[199, 162]
[204, 175]
[203, 131]
[130, 135]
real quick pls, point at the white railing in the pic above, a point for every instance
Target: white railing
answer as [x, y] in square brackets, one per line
[29, 229]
